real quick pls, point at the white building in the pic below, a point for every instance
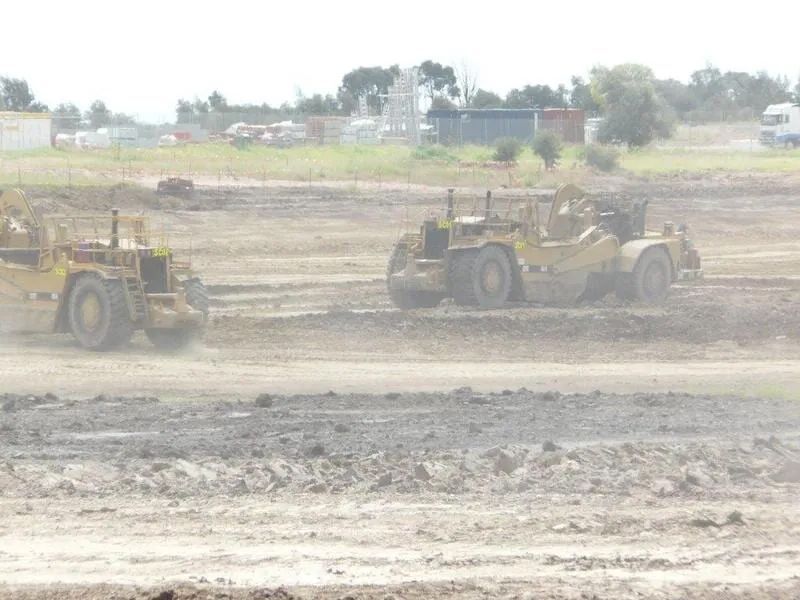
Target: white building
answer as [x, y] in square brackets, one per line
[24, 131]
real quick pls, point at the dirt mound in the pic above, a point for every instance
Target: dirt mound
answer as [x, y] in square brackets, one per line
[455, 443]
[510, 589]
[180, 592]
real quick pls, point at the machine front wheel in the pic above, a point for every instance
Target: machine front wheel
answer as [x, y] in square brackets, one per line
[176, 339]
[482, 278]
[407, 299]
[650, 280]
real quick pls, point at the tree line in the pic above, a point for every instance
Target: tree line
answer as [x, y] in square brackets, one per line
[636, 105]
[16, 95]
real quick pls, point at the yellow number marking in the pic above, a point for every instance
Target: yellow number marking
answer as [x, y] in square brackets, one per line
[60, 271]
[444, 224]
[520, 245]
[161, 251]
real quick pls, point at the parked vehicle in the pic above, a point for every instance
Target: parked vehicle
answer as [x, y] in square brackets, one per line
[780, 125]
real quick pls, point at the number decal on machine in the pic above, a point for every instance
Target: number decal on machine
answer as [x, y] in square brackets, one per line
[444, 224]
[520, 245]
[161, 252]
[60, 271]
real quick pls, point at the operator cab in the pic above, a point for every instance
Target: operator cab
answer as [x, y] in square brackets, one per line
[19, 231]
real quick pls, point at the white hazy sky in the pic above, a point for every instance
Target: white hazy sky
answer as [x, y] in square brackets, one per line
[141, 56]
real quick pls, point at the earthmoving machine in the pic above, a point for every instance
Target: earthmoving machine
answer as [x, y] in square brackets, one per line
[99, 278]
[586, 248]
[175, 186]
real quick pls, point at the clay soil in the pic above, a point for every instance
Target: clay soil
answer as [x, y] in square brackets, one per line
[604, 451]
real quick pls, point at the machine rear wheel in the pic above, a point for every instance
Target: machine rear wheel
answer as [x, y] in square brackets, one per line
[407, 299]
[98, 313]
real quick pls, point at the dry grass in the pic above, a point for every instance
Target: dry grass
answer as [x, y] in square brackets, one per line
[469, 166]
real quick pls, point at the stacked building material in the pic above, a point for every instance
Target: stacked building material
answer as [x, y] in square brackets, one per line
[325, 130]
[360, 131]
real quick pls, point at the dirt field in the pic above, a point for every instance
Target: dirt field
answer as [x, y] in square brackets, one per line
[152, 475]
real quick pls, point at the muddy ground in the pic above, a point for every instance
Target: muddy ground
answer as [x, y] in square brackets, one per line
[153, 475]
[618, 494]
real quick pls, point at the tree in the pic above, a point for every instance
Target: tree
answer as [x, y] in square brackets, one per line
[349, 102]
[98, 115]
[217, 101]
[507, 150]
[534, 96]
[733, 94]
[200, 107]
[548, 146]
[562, 96]
[122, 119]
[467, 79]
[316, 105]
[442, 103]
[605, 158]
[762, 90]
[438, 80]
[370, 82]
[486, 99]
[707, 86]
[37, 107]
[16, 95]
[677, 94]
[184, 112]
[580, 96]
[195, 111]
[634, 112]
[66, 116]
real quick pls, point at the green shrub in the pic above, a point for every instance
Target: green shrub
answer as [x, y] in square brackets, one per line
[435, 152]
[605, 158]
[548, 146]
[507, 150]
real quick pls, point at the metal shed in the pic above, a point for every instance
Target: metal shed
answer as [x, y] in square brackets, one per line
[486, 125]
[24, 131]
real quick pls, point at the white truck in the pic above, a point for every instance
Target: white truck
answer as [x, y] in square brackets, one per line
[780, 125]
[91, 140]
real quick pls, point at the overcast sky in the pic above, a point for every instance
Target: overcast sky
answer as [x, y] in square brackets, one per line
[140, 57]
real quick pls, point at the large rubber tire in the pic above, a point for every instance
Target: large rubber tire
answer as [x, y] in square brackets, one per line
[407, 299]
[98, 314]
[650, 280]
[483, 278]
[177, 339]
[197, 295]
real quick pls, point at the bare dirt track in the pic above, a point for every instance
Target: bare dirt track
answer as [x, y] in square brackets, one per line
[677, 479]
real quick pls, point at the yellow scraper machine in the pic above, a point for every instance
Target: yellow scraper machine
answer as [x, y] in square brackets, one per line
[584, 248]
[98, 277]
